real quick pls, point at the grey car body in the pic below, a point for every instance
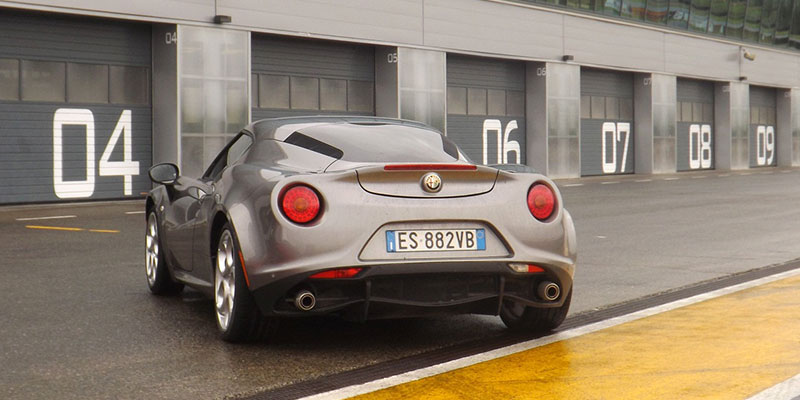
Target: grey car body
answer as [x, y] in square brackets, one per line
[350, 163]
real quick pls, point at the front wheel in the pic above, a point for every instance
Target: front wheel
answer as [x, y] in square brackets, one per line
[238, 317]
[158, 279]
[519, 317]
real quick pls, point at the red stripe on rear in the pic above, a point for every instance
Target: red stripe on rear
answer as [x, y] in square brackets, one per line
[430, 167]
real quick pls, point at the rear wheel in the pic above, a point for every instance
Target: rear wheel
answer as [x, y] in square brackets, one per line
[158, 279]
[238, 317]
[519, 317]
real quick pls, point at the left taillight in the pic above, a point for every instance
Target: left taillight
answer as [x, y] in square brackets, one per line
[301, 204]
[541, 201]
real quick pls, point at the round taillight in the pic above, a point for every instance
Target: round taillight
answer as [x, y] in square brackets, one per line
[300, 204]
[541, 201]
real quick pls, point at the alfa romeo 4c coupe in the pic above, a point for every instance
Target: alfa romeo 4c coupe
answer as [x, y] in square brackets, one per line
[363, 218]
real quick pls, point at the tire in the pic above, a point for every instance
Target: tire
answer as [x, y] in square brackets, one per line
[158, 278]
[518, 317]
[238, 317]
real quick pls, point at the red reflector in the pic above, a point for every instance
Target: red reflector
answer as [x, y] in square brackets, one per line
[300, 204]
[337, 273]
[541, 201]
[429, 167]
[533, 268]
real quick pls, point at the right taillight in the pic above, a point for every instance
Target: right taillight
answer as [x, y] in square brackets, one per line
[541, 201]
[300, 204]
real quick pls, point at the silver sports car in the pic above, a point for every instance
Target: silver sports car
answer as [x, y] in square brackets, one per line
[363, 218]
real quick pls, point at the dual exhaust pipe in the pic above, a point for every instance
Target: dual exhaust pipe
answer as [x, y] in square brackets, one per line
[548, 291]
[305, 300]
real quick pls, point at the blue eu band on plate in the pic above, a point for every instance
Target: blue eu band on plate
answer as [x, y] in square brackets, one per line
[435, 240]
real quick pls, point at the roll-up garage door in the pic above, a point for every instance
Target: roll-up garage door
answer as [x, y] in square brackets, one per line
[606, 122]
[763, 113]
[75, 115]
[695, 114]
[311, 77]
[486, 108]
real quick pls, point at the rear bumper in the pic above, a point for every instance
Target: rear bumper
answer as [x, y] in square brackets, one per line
[418, 289]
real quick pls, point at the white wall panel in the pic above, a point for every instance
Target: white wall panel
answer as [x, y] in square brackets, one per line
[469, 26]
[187, 10]
[701, 58]
[613, 45]
[481, 26]
[396, 21]
[772, 68]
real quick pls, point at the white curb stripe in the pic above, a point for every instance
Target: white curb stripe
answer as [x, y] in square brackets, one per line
[788, 389]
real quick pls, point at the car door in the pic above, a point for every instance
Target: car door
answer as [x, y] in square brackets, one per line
[180, 218]
[203, 248]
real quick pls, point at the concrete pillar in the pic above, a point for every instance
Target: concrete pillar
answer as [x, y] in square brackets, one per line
[732, 124]
[665, 128]
[784, 140]
[655, 131]
[795, 124]
[552, 112]
[165, 93]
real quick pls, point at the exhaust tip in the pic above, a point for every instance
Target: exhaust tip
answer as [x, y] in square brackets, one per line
[548, 291]
[305, 300]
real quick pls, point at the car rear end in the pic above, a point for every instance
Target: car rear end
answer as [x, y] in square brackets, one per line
[383, 240]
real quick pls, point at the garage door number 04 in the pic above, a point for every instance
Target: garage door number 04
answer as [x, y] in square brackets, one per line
[126, 168]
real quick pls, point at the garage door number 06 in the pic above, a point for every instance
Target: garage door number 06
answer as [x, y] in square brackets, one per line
[85, 188]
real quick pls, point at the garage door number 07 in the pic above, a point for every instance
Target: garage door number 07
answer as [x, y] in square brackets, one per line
[126, 168]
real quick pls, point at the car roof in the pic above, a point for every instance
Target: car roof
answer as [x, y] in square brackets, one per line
[271, 128]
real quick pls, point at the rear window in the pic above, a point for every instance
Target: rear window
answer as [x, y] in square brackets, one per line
[376, 143]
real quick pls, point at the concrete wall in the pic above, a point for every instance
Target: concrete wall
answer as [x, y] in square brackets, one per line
[482, 27]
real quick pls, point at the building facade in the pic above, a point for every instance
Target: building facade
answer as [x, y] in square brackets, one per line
[92, 93]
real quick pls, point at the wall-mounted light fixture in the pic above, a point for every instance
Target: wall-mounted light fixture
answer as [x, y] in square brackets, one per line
[222, 19]
[567, 57]
[742, 78]
[748, 55]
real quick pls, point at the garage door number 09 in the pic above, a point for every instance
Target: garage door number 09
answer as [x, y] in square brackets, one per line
[765, 144]
[126, 168]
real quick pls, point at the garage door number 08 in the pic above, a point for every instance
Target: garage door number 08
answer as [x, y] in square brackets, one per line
[699, 146]
[85, 188]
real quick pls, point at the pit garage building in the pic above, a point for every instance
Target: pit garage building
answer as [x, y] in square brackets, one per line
[93, 93]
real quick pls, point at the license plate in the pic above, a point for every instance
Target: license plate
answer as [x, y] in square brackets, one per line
[435, 240]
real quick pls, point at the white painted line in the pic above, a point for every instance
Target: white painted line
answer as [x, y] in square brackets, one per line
[572, 185]
[744, 173]
[788, 389]
[134, 212]
[643, 180]
[609, 183]
[723, 175]
[785, 172]
[671, 179]
[410, 376]
[50, 217]
[601, 237]
[699, 177]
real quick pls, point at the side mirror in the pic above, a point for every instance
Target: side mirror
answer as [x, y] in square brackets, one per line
[165, 173]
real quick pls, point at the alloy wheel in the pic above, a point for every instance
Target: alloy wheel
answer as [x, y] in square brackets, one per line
[225, 280]
[151, 249]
